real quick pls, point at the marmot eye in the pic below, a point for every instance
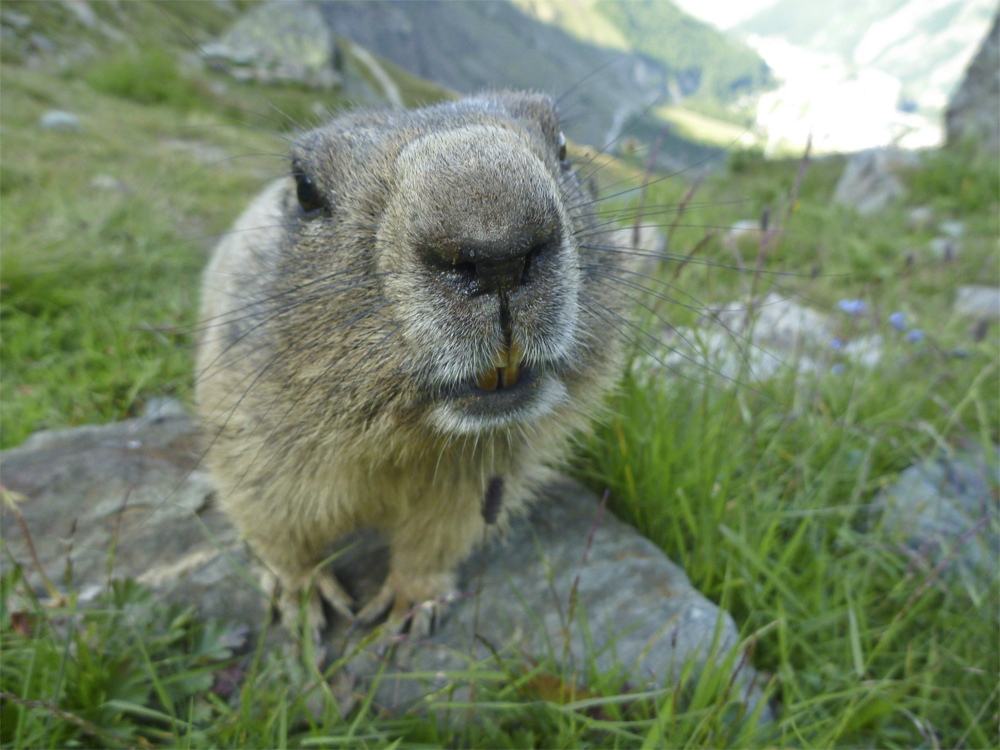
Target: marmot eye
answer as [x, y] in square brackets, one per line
[562, 147]
[311, 200]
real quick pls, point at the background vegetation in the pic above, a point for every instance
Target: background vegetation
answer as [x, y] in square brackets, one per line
[762, 492]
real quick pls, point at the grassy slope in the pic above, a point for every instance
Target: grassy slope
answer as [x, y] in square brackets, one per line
[759, 493]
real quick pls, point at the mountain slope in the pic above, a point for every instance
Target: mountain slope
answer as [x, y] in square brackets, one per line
[709, 64]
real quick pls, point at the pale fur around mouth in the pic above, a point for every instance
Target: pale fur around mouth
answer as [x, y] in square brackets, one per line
[508, 390]
[467, 409]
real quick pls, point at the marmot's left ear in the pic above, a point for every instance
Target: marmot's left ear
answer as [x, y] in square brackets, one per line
[539, 109]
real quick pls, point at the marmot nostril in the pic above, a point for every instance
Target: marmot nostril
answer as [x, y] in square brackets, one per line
[490, 268]
[500, 276]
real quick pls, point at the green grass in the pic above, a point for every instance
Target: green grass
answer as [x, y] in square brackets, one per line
[761, 493]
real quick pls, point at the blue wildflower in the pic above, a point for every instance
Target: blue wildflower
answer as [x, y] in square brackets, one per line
[898, 321]
[837, 344]
[837, 369]
[915, 336]
[853, 306]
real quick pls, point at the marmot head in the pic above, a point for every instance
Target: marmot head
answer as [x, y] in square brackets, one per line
[443, 268]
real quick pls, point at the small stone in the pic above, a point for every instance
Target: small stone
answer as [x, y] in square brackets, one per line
[56, 119]
[42, 43]
[745, 230]
[945, 248]
[952, 228]
[163, 408]
[978, 302]
[107, 182]
[919, 218]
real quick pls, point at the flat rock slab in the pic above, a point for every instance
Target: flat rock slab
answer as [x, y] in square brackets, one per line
[128, 500]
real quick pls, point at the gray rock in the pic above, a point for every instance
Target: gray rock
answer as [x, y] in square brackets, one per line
[946, 512]
[56, 119]
[978, 302]
[750, 343]
[129, 500]
[278, 41]
[871, 180]
[972, 115]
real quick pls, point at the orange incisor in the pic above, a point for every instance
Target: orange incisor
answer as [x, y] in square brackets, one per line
[505, 370]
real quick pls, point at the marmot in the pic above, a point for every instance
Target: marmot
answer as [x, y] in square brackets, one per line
[402, 334]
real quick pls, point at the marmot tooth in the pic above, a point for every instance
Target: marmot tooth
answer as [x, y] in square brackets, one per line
[510, 374]
[488, 379]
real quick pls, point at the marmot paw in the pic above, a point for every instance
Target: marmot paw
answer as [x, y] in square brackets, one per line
[419, 603]
[321, 585]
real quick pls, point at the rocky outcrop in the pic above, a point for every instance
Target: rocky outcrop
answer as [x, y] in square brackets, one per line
[129, 500]
[278, 42]
[973, 115]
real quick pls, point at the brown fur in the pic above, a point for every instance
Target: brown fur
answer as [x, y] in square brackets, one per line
[331, 341]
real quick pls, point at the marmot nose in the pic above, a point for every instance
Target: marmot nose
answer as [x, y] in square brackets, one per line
[476, 268]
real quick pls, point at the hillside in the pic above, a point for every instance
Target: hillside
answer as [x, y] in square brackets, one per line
[708, 65]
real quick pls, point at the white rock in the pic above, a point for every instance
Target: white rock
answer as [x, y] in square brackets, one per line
[978, 302]
[57, 119]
